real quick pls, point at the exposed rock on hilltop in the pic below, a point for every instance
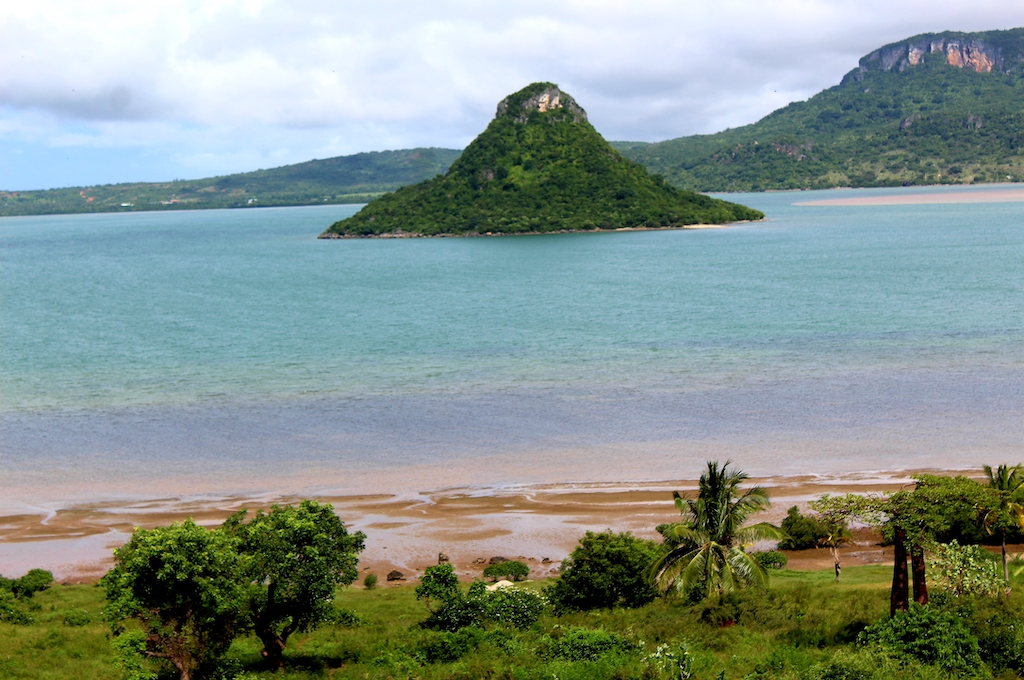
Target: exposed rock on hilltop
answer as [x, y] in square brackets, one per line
[538, 167]
[548, 99]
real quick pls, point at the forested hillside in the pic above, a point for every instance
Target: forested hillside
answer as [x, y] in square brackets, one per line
[344, 179]
[933, 109]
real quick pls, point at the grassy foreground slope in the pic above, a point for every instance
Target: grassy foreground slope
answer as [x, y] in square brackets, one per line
[798, 629]
[344, 179]
[804, 628]
[538, 167]
[942, 108]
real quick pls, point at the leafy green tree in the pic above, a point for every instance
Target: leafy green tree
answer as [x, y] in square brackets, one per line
[835, 514]
[914, 520]
[802, 532]
[710, 559]
[181, 585]
[294, 558]
[918, 518]
[1008, 513]
[605, 570]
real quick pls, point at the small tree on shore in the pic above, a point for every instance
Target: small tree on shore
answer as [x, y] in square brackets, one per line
[180, 585]
[606, 570]
[293, 560]
[835, 514]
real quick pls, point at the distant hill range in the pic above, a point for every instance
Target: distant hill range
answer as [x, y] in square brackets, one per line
[345, 179]
[938, 108]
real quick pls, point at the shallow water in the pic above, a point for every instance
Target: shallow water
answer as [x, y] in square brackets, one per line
[224, 351]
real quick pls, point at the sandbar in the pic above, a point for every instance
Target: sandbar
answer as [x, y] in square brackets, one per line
[539, 524]
[1000, 195]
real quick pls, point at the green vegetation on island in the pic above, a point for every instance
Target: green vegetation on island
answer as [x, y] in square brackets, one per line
[538, 167]
[219, 604]
[938, 108]
[345, 179]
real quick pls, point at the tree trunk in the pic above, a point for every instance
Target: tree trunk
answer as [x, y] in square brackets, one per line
[898, 599]
[1006, 567]
[835, 556]
[917, 566]
[273, 648]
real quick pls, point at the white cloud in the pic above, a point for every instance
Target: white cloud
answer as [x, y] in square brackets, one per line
[212, 84]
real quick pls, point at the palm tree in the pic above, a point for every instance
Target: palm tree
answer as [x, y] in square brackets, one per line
[1008, 482]
[709, 560]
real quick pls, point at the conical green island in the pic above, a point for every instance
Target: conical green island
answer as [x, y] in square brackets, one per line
[538, 167]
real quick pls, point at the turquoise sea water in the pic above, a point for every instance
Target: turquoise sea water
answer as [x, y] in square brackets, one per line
[230, 350]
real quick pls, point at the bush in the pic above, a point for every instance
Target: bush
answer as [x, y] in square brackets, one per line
[10, 612]
[34, 581]
[605, 570]
[448, 646]
[771, 559]
[370, 582]
[965, 570]
[513, 569]
[514, 607]
[802, 532]
[995, 621]
[77, 617]
[663, 662]
[930, 636]
[587, 644]
[452, 610]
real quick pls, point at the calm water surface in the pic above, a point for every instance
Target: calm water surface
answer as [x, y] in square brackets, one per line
[199, 352]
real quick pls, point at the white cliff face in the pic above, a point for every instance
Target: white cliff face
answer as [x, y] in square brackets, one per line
[972, 53]
[548, 100]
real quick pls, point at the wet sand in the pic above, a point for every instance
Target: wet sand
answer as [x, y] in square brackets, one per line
[539, 524]
[1000, 195]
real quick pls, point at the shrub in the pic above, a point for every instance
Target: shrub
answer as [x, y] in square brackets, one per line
[343, 618]
[995, 621]
[452, 610]
[11, 612]
[588, 644]
[802, 532]
[370, 582]
[771, 559]
[448, 646]
[77, 617]
[605, 570]
[514, 607]
[513, 569]
[34, 581]
[663, 662]
[965, 570]
[930, 636]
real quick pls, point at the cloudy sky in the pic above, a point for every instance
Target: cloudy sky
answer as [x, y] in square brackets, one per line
[110, 91]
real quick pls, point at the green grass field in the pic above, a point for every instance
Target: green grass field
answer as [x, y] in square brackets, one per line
[804, 626]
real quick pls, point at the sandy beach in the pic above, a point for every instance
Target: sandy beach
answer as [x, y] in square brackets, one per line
[1008, 194]
[539, 524]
